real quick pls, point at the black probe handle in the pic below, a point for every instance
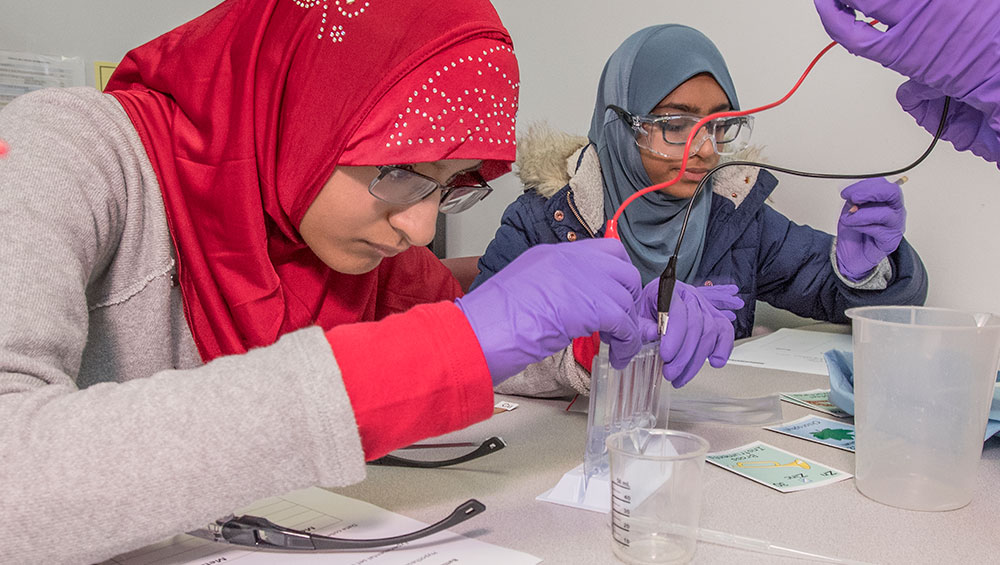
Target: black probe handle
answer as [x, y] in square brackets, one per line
[665, 292]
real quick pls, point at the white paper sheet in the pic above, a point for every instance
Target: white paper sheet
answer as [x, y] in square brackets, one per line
[789, 349]
[575, 491]
[23, 72]
[323, 512]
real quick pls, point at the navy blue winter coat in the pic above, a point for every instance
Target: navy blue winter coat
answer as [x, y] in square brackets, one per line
[753, 246]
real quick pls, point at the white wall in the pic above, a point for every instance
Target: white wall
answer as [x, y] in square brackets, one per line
[95, 30]
[843, 119]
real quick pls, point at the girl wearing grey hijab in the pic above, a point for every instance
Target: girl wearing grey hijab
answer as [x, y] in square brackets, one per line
[636, 78]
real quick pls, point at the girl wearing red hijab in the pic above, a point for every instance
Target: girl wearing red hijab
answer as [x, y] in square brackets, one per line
[214, 281]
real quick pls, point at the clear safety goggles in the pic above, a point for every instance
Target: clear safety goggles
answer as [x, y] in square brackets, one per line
[666, 135]
[398, 184]
[261, 533]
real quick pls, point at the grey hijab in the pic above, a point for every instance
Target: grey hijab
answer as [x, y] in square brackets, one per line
[647, 66]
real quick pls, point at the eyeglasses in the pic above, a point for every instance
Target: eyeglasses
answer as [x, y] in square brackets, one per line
[659, 134]
[398, 184]
[254, 531]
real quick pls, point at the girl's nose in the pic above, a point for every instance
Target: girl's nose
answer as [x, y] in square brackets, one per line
[418, 222]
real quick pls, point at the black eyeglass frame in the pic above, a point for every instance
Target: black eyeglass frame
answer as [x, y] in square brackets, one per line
[261, 533]
[474, 193]
[491, 445]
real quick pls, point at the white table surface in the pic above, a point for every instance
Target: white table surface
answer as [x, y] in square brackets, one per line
[544, 440]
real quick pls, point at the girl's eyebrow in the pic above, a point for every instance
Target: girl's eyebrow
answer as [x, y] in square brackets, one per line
[440, 167]
[474, 168]
[690, 109]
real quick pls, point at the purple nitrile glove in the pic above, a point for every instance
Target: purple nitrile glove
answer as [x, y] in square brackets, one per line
[951, 46]
[722, 296]
[536, 305]
[966, 128]
[700, 326]
[871, 226]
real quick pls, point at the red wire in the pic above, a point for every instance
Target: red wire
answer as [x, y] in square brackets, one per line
[612, 228]
[571, 402]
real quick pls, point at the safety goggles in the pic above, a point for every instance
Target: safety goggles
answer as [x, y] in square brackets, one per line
[666, 135]
[398, 184]
[261, 533]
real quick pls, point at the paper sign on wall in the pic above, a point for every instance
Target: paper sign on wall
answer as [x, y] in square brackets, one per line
[102, 73]
[21, 73]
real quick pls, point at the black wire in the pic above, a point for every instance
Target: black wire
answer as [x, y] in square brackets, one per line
[708, 175]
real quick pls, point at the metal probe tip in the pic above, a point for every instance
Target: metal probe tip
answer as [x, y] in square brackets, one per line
[898, 181]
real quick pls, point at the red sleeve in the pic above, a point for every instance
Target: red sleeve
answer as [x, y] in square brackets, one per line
[412, 376]
[414, 277]
[585, 349]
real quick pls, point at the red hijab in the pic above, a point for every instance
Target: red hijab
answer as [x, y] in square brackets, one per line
[246, 110]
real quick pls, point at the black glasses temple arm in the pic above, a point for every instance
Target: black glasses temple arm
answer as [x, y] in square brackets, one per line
[624, 114]
[254, 531]
[489, 446]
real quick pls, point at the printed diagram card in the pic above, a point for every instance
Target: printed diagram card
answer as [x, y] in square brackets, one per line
[776, 468]
[817, 399]
[820, 430]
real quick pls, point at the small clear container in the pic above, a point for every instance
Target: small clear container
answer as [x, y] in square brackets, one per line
[634, 397]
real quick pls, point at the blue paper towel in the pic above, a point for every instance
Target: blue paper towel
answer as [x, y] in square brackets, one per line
[840, 364]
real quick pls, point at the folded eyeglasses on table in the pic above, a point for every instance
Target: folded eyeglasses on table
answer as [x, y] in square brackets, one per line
[261, 533]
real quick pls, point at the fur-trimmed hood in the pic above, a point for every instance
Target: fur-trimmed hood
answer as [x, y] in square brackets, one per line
[547, 160]
[543, 158]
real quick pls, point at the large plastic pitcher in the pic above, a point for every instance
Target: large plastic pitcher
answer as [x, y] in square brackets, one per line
[923, 383]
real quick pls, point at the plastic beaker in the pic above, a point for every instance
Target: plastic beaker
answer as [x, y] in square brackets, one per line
[656, 478]
[923, 383]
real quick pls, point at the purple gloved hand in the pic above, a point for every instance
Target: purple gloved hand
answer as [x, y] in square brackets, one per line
[951, 46]
[871, 226]
[722, 297]
[537, 304]
[966, 128]
[700, 327]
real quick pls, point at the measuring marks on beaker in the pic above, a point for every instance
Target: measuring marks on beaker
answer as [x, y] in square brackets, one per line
[647, 528]
[621, 510]
[639, 497]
